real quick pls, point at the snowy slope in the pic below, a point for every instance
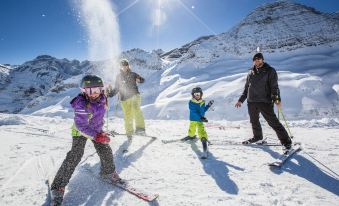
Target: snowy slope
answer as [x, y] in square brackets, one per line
[307, 79]
[233, 175]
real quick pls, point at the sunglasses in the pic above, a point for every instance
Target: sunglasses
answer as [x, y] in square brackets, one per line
[197, 94]
[92, 90]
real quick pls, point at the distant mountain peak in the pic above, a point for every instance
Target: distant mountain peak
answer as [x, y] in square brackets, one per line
[44, 57]
[270, 12]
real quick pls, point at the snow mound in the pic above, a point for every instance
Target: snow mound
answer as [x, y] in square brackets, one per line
[317, 123]
[11, 120]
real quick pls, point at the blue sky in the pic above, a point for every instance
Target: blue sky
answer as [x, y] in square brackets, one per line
[53, 27]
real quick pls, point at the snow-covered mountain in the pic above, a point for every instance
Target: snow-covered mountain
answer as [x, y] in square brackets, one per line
[300, 42]
[35, 78]
[275, 27]
[4, 75]
[32, 83]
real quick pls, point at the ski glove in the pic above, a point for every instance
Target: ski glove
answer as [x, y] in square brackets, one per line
[203, 119]
[210, 103]
[102, 137]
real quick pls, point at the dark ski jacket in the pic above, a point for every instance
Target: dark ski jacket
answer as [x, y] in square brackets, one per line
[261, 85]
[126, 85]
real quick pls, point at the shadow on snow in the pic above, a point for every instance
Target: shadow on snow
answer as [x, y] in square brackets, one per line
[218, 170]
[86, 189]
[306, 169]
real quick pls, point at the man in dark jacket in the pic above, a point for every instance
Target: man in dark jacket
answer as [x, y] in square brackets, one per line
[261, 90]
[126, 86]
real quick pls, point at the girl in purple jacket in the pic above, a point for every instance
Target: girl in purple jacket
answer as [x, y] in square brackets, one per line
[89, 110]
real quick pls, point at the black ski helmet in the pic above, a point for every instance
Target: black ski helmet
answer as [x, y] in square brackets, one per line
[196, 90]
[91, 81]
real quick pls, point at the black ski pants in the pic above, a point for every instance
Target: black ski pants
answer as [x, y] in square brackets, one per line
[267, 111]
[74, 156]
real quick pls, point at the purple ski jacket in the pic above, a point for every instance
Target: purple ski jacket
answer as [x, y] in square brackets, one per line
[88, 116]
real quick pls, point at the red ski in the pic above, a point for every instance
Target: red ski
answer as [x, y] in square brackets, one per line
[140, 194]
[123, 184]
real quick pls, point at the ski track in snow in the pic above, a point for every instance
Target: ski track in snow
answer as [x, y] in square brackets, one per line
[33, 150]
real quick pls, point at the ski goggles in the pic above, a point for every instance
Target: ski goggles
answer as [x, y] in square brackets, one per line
[197, 94]
[92, 90]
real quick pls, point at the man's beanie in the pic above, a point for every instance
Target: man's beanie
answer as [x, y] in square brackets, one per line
[258, 56]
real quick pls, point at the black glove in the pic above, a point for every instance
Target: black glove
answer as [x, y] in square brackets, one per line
[210, 103]
[276, 98]
[203, 119]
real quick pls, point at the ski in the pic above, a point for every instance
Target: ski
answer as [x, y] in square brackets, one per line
[284, 157]
[172, 140]
[149, 136]
[124, 185]
[113, 133]
[138, 193]
[184, 139]
[225, 143]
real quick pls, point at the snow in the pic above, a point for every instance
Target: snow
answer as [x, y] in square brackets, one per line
[10, 120]
[33, 148]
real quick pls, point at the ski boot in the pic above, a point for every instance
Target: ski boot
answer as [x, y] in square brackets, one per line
[129, 142]
[204, 147]
[189, 138]
[112, 178]
[140, 131]
[287, 148]
[57, 196]
[254, 140]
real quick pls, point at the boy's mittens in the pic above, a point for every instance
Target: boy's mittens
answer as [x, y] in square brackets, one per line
[203, 119]
[210, 103]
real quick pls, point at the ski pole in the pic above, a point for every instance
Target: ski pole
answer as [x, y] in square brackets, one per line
[116, 106]
[282, 114]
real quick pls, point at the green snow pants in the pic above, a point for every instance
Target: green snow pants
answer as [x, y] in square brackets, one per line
[133, 113]
[194, 125]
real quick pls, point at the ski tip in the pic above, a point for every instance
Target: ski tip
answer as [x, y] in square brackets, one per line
[155, 197]
[274, 166]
